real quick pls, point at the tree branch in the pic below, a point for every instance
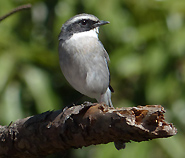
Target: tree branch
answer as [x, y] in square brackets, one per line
[26, 6]
[82, 125]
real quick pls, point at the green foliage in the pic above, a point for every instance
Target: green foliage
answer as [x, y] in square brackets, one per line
[145, 41]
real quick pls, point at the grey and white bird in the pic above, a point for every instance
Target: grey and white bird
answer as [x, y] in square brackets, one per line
[83, 58]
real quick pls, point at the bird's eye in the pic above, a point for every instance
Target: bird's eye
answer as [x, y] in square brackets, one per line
[83, 22]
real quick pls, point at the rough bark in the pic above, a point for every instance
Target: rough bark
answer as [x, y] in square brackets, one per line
[82, 125]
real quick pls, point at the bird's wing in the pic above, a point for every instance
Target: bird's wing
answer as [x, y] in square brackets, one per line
[107, 60]
[105, 53]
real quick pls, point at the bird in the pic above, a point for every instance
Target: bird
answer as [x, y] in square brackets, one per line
[83, 58]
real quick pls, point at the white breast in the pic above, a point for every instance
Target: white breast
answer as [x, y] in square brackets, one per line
[91, 33]
[84, 65]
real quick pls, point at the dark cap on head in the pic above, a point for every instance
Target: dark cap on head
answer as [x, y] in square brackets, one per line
[79, 23]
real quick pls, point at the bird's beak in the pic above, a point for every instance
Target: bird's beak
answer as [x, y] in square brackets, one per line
[103, 22]
[100, 23]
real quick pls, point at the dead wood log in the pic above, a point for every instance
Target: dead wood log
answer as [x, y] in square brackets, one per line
[82, 125]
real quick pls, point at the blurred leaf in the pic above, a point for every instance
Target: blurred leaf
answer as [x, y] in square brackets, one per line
[39, 86]
[11, 104]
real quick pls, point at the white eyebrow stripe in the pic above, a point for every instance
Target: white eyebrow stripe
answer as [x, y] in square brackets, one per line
[83, 17]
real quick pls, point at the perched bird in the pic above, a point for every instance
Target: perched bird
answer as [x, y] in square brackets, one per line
[83, 58]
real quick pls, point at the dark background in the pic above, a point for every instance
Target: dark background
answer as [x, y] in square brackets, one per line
[146, 43]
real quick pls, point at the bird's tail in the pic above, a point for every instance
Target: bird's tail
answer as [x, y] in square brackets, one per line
[106, 98]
